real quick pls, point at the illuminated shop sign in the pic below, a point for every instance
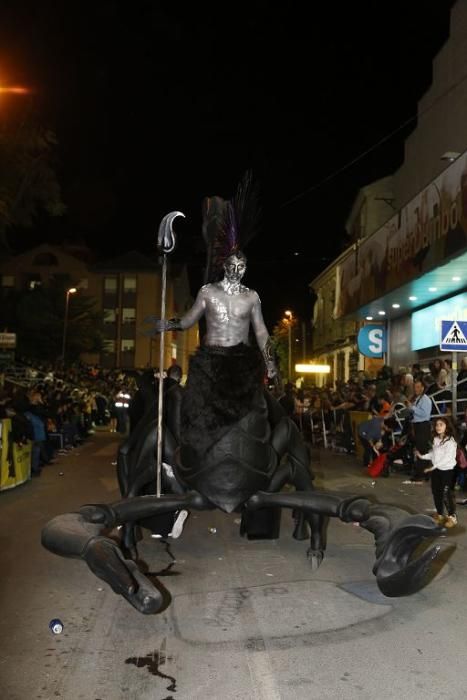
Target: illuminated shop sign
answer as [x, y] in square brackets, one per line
[426, 323]
[429, 230]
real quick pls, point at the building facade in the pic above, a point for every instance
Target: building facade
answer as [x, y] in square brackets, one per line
[407, 266]
[126, 290]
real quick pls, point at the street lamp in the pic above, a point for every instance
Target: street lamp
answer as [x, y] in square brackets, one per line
[72, 290]
[289, 315]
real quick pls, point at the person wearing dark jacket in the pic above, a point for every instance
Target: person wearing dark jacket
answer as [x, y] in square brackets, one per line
[370, 433]
[35, 416]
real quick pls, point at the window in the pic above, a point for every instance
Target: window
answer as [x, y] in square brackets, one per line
[34, 281]
[128, 345]
[109, 346]
[128, 315]
[110, 285]
[129, 285]
[8, 281]
[110, 316]
[83, 283]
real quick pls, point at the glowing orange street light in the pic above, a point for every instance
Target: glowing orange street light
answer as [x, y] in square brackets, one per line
[72, 290]
[15, 90]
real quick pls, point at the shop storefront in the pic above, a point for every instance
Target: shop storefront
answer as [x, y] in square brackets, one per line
[412, 272]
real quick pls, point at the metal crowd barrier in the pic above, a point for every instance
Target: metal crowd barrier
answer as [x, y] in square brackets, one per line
[440, 404]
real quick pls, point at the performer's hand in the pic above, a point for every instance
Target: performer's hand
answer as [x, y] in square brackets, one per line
[158, 325]
[274, 378]
[272, 369]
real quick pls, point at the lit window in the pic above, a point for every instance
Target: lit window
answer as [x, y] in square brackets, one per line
[34, 284]
[128, 315]
[128, 345]
[110, 285]
[109, 346]
[8, 281]
[110, 316]
[129, 284]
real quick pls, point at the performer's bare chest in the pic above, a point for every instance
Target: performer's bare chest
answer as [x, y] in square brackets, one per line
[229, 308]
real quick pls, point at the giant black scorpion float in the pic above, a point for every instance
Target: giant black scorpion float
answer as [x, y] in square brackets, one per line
[224, 442]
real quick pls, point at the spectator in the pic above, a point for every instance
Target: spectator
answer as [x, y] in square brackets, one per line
[173, 394]
[421, 415]
[443, 458]
[383, 380]
[33, 414]
[462, 376]
[370, 433]
[417, 371]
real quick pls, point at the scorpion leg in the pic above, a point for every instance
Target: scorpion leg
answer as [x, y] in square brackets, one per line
[397, 534]
[286, 439]
[83, 535]
[143, 479]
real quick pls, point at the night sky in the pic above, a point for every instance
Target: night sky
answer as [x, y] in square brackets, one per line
[158, 104]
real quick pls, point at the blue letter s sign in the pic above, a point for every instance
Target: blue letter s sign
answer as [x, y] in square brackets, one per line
[372, 341]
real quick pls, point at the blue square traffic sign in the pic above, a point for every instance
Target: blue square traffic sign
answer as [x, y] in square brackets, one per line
[453, 335]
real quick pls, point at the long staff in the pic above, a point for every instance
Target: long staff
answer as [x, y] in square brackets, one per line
[165, 245]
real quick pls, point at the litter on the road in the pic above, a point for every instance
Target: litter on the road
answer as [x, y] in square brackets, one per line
[56, 626]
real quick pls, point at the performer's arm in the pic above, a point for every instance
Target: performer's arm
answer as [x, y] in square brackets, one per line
[188, 320]
[262, 337]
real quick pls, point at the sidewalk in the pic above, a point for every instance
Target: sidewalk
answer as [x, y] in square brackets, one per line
[246, 620]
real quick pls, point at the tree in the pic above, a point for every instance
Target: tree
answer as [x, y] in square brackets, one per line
[280, 342]
[28, 183]
[37, 316]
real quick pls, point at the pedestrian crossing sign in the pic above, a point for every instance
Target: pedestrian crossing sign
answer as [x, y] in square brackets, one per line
[453, 335]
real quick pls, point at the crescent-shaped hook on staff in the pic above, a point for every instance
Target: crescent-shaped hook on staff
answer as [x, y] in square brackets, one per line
[166, 236]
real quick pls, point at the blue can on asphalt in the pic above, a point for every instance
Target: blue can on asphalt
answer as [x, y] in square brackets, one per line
[56, 626]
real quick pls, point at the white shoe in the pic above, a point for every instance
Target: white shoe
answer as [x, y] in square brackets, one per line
[177, 527]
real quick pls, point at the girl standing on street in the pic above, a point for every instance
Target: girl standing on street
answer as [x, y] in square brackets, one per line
[443, 458]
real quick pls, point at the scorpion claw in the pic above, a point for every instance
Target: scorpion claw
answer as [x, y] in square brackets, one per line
[397, 574]
[106, 561]
[411, 578]
[73, 535]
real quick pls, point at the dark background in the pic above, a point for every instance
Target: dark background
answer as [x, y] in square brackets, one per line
[158, 104]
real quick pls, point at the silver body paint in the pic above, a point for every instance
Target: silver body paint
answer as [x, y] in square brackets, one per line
[229, 308]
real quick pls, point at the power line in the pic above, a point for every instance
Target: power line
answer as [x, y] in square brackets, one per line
[340, 170]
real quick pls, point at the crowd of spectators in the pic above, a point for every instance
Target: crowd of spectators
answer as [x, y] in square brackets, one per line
[58, 409]
[329, 409]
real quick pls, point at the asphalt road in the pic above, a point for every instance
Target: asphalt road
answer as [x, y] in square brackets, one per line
[246, 620]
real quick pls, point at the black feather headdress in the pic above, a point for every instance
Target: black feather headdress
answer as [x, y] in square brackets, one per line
[229, 225]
